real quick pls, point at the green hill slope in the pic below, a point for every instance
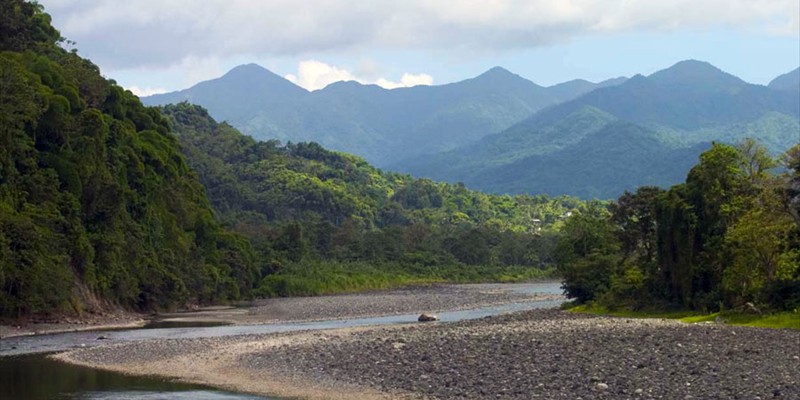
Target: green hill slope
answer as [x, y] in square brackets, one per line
[97, 204]
[313, 214]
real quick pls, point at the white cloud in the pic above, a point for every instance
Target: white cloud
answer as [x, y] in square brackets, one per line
[158, 33]
[315, 75]
[407, 80]
[143, 92]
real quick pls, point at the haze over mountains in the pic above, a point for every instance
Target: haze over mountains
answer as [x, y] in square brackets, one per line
[383, 126]
[499, 132]
[661, 123]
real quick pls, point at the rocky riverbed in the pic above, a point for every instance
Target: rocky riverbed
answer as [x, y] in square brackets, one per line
[546, 354]
[416, 299]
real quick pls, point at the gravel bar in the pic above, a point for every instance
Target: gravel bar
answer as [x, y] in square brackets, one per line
[415, 299]
[552, 354]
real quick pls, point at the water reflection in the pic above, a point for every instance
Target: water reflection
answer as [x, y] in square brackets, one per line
[36, 377]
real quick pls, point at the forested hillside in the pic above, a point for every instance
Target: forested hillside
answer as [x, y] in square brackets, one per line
[97, 204]
[727, 236]
[303, 205]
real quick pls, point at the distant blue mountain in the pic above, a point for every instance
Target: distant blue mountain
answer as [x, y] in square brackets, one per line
[383, 126]
[647, 130]
[787, 81]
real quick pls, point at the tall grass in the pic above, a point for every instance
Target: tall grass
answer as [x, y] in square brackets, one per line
[779, 320]
[319, 278]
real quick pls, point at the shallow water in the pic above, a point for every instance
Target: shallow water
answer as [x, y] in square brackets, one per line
[36, 377]
[27, 376]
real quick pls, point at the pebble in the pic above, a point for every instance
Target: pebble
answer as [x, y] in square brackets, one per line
[539, 354]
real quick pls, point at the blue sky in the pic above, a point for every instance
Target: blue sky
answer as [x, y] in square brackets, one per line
[151, 46]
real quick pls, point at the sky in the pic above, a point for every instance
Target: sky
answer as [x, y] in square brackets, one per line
[152, 46]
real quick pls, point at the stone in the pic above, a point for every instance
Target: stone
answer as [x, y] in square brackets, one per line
[601, 386]
[425, 317]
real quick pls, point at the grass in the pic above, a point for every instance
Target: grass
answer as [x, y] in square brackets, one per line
[320, 278]
[781, 320]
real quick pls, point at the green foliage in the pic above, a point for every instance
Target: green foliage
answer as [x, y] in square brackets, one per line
[300, 204]
[726, 237]
[95, 197]
[777, 320]
[326, 277]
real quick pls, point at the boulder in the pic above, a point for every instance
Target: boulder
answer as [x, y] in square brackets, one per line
[425, 317]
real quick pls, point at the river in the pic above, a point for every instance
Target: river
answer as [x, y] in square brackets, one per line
[26, 372]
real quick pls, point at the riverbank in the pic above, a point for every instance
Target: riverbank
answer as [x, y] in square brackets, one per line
[533, 354]
[409, 300]
[414, 299]
[88, 322]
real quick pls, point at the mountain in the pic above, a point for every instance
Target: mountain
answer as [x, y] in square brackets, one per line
[621, 156]
[380, 125]
[787, 81]
[675, 113]
[241, 92]
[571, 89]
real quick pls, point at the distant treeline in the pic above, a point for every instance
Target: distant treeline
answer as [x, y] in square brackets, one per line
[729, 235]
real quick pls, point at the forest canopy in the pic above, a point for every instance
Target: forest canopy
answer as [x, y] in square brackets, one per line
[728, 236]
[97, 203]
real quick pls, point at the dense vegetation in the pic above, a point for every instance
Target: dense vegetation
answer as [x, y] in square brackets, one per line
[97, 204]
[304, 206]
[727, 236]
[646, 131]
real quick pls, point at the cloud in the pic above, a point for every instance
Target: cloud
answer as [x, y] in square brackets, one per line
[315, 75]
[142, 92]
[165, 32]
[407, 80]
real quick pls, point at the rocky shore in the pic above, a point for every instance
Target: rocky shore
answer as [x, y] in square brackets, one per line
[107, 320]
[546, 354]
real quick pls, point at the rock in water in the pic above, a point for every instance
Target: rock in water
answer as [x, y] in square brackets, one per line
[425, 317]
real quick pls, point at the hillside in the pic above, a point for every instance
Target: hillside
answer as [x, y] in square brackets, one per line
[676, 111]
[380, 125]
[787, 81]
[97, 205]
[302, 205]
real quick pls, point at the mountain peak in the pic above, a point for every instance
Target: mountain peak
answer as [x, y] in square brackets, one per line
[695, 72]
[250, 71]
[498, 72]
[499, 76]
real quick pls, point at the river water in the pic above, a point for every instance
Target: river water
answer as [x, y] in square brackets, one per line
[26, 373]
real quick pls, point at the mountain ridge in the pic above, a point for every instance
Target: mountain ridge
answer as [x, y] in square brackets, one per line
[382, 125]
[679, 109]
